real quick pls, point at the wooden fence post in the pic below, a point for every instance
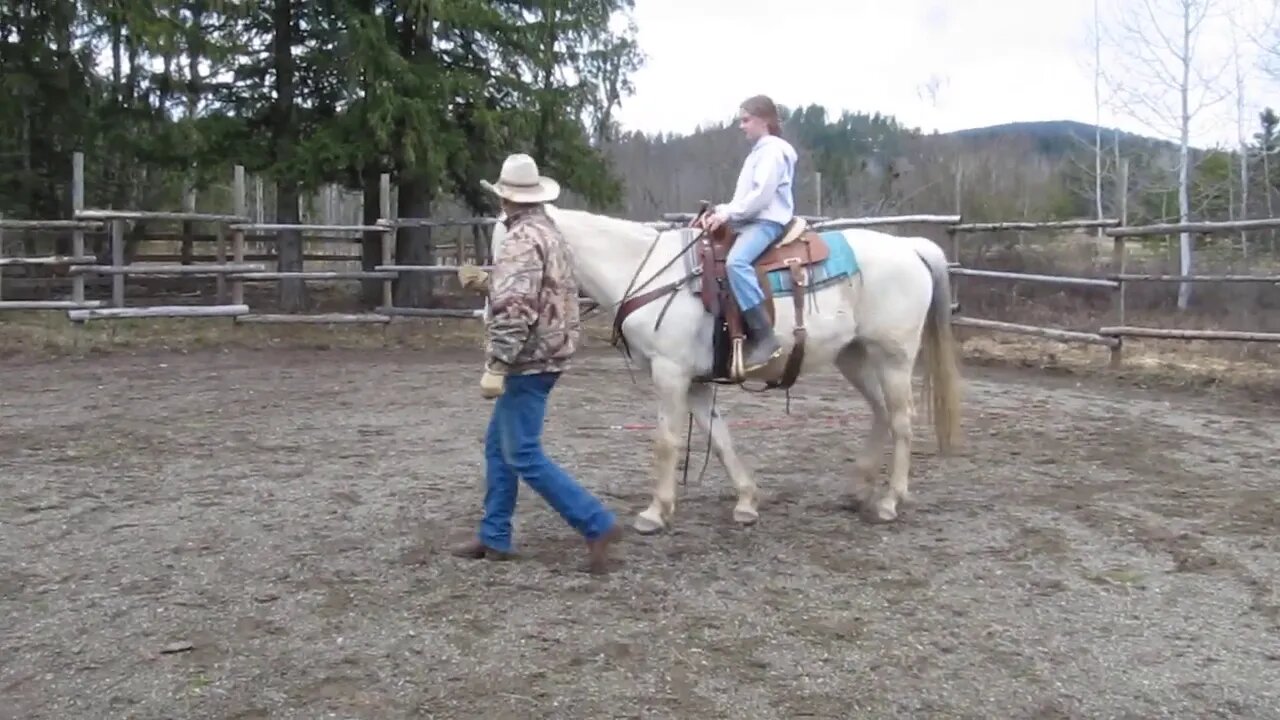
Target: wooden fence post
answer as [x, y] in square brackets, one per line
[237, 234]
[77, 235]
[1118, 257]
[117, 262]
[954, 236]
[388, 239]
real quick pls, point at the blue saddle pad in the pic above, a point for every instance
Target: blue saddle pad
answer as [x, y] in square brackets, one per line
[841, 263]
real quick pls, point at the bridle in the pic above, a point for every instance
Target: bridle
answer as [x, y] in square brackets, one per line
[630, 303]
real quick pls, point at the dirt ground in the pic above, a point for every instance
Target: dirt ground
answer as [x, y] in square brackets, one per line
[259, 534]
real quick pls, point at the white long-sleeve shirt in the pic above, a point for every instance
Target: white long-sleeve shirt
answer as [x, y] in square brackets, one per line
[764, 185]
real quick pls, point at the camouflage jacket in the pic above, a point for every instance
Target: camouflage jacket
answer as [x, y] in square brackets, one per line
[533, 297]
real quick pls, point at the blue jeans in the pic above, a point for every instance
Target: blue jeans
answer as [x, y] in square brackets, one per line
[512, 449]
[753, 238]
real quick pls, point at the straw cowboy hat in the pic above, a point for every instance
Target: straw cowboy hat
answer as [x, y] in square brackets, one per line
[520, 182]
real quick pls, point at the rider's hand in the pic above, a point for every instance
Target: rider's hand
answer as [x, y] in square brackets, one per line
[713, 221]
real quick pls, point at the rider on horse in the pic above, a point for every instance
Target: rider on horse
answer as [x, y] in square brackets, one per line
[763, 203]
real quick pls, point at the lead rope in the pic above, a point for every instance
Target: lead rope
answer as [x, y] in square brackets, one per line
[688, 441]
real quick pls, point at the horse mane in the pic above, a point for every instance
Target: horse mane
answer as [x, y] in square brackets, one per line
[640, 232]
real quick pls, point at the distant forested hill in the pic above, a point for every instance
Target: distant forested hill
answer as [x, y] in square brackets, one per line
[871, 163]
[1057, 136]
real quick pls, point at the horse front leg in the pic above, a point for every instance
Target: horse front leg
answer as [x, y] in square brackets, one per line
[746, 511]
[672, 387]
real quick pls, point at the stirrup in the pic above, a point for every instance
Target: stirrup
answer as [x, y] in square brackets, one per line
[737, 361]
[776, 354]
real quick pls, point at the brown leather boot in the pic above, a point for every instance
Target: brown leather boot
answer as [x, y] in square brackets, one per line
[476, 550]
[598, 550]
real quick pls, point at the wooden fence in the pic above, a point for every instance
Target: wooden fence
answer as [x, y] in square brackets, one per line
[232, 271]
[1110, 336]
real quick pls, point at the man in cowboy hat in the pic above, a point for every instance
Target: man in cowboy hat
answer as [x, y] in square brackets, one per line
[532, 334]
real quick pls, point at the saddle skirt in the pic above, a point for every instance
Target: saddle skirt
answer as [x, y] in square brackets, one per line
[824, 258]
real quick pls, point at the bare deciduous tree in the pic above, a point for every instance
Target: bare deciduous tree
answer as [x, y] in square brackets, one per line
[1242, 136]
[1097, 115]
[1164, 79]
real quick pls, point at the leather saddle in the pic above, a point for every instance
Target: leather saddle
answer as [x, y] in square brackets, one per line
[798, 248]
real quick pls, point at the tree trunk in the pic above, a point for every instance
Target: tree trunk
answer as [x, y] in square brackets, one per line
[416, 191]
[413, 246]
[1097, 117]
[293, 291]
[1184, 160]
[371, 242]
[1266, 184]
[1244, 152]
[480, 244]
[542, 140]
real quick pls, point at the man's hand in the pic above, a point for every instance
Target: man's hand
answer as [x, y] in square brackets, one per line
[493, 381]
[471, 277]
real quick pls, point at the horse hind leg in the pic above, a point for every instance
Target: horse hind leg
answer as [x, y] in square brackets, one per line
[895, 380]
[855, 364]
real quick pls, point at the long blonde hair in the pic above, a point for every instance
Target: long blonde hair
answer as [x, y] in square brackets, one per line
[762, 106]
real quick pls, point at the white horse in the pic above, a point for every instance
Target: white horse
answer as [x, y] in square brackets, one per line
[870, 325]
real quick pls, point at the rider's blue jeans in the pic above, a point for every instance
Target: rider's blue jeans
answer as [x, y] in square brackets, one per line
[753, 238]
[513, 449]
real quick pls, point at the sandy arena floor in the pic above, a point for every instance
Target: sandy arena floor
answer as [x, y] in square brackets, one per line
[259, 534]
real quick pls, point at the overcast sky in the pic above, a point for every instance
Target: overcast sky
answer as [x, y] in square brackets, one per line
[991, 61]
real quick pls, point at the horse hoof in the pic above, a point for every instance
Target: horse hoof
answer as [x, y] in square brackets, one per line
[881, 515]
[863, 496]
[647, 526]
[745, 516]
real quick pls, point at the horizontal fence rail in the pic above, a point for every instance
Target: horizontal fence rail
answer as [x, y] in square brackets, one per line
[1112, 336]
[1078, 336]
[1199, 228]
[1035, 277]
[232, 267]
[842, 223]
[1033, 225]
[958, 229]
[1191, 334]
[1123, 233]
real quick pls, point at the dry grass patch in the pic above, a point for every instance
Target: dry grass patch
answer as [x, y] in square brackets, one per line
[1171, 363]
[1168, 363]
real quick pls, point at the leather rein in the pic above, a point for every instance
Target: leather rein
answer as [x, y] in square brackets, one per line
[631, 303]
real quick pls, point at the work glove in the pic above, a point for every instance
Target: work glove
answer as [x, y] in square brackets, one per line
[471, 277]
[493, 381]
